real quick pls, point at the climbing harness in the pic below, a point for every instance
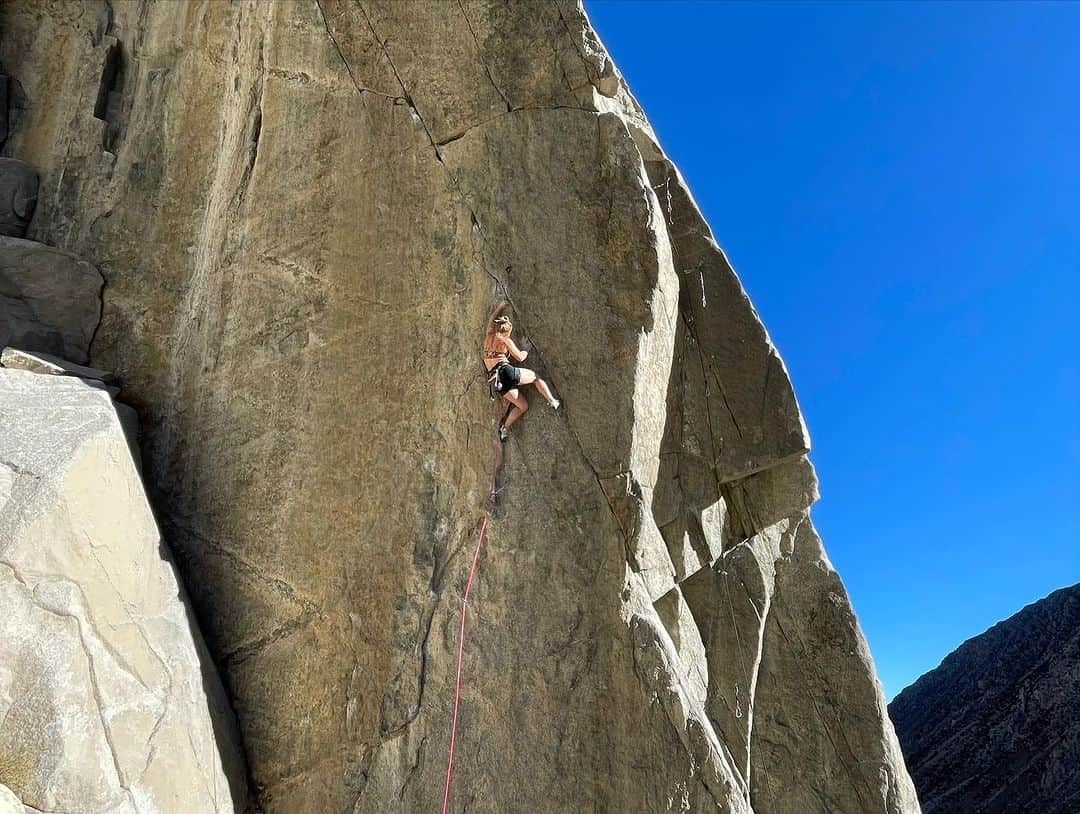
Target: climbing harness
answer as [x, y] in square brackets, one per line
[461, 637]
[501, 379]
[494, 384]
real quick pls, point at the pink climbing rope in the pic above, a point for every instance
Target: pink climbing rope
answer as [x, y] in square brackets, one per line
[461, 638]
[460, 654]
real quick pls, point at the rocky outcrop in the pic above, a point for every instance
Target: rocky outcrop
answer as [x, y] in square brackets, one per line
[9, 803]
[108, 700]
[995, 729]
[50, 300]
[15, 359]
[18, 196]
[304, 212]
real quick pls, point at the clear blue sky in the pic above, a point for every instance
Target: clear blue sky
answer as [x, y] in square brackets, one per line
[898, 186]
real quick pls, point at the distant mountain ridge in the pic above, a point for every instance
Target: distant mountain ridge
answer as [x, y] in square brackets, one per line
[995, 729]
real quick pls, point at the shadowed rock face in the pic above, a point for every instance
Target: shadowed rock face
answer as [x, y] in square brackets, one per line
[304, 212]
[50, 300]
[18, 195]
[995, 729]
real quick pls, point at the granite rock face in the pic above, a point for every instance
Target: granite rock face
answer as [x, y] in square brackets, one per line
[305, 211]
[50, 300]
[9, 803]
[995, 729]
[108, 699]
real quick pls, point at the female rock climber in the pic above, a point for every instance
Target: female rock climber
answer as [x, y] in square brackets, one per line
[499, 348]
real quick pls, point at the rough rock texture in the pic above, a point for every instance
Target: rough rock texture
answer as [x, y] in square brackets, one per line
[108, 700]
[51, 365]
[50, 300]
[9, 803]
[18, 195]
[305, 211]
[995, 729]
[12, 106]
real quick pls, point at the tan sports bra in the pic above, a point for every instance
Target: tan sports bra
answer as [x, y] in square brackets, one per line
[496, 354]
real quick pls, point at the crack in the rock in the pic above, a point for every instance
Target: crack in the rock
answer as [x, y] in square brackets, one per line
[480, 53]
[255, 132]
[426, 621]
[408, 96]
[607, 498]
[265, 791]
[244, 567]
[716, 746]
[416, 112]
[461, 133]
[706, 364]
[710, 464]
[569, 426]
[121, 662]
[472, 380]
[243, 652]
[348, 68]
[95, 688]
[131, 619]
[204, 775]
[581, 449]
[20, 470]
[751, 753]
[589, 72]
[33, 810]
[101, 310]
[412, 769]
[852, 760]
[151, 747]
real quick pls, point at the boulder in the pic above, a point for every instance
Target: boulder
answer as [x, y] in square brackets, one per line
[16, 359]
[108, 699]
[18, 196]
[50, 300]
[9, 803]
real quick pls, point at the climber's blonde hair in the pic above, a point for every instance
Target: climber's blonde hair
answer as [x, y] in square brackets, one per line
[503, 325]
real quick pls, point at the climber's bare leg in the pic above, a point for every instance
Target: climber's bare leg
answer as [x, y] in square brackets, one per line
[528, 377]
[520, 406]
[545, 391]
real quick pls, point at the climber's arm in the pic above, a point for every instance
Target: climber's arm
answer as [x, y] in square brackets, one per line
[516, 353]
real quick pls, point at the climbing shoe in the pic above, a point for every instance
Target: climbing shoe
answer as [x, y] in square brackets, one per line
[503, 433]
[555, 404]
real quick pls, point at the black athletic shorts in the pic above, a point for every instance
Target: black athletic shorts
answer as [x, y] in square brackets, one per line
[509, 377]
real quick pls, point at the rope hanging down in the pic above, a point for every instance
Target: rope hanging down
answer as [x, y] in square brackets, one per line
[461, 637]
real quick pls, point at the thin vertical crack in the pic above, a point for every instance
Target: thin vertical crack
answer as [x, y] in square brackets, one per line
[348, 68]
[480, 54]
[408, 96]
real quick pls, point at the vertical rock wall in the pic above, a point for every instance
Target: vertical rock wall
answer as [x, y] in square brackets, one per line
[304, 212]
